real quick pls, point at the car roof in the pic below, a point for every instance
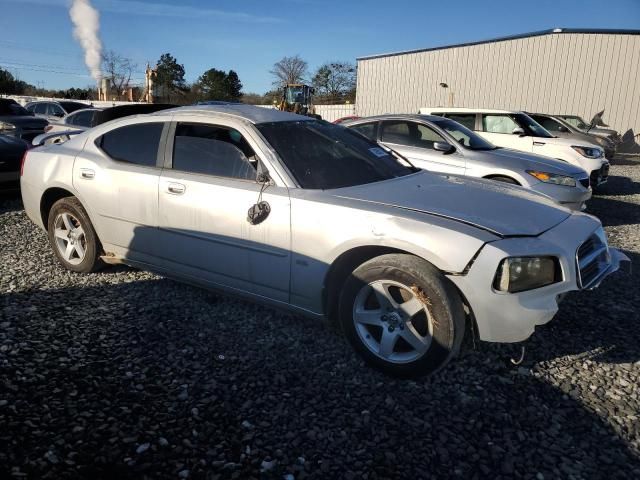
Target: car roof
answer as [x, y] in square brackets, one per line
[393, 116]
[250, 113]
[467, 110]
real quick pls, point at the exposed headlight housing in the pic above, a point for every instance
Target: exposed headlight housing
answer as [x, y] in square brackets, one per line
[6, 127]
[553, 178]
[588, 152]
[517, 274]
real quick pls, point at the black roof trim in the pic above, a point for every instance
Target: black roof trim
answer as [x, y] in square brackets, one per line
[604, 31]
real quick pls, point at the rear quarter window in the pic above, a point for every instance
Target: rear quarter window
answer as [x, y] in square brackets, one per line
[137, 144]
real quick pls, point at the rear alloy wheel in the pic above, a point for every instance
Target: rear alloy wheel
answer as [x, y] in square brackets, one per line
[72, 236]
[402, 315]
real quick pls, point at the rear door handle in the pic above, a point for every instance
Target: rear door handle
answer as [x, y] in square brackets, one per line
[87, 173]
[176, 188]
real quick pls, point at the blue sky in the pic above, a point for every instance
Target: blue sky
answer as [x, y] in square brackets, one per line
[36, 40]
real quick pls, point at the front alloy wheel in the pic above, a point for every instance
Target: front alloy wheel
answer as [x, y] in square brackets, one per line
[402, 315]
[392, 321]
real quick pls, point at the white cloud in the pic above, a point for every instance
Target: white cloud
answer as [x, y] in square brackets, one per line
[158, 9]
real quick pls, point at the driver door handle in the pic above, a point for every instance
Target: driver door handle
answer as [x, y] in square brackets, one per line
[176, 188]
[87, 173]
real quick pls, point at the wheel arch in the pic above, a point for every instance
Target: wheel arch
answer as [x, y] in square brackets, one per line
[50, 196]
[342, 266]
[349, 260]
[495, 176]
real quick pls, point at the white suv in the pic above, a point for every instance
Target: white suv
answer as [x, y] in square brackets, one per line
[518, 131]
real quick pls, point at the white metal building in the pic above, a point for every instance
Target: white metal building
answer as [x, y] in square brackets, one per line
[570, 71]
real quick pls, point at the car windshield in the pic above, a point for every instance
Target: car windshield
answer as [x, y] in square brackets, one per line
[11, 108]
[576, 121]
[70, 107]
[530, 126]
[321, 155]
[464, 136]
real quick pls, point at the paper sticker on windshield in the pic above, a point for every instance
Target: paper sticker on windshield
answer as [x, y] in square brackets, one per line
[378, 152]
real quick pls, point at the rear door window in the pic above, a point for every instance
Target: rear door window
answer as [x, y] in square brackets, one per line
[213, 150]
[136, 144]
[411, 134]
[492, 123]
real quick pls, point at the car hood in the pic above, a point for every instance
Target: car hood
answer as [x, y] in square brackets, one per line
[568, 142]
[602, 131]
[577, 136]
[515, 159]
[25, 121]
[502, 209]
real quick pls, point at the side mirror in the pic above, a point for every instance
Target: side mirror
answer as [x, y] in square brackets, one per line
[263, 177]
[518, 131]
[443, 147]
[562, 128]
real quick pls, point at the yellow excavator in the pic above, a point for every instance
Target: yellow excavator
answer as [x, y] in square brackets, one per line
[298, 98]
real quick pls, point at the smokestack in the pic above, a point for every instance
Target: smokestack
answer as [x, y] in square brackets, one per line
[86, 22]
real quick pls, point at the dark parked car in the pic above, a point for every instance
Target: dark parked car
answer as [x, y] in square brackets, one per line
[11, 151]
[561, 128]
[17, 122]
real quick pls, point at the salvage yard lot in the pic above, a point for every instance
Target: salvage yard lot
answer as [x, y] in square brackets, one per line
[124, 374]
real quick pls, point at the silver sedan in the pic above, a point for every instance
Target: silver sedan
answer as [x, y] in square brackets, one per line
[443, 145]
[312, 217]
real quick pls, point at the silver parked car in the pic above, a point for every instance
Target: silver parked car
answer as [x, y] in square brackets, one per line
[53, 111]
[442, 145]
[315, 218]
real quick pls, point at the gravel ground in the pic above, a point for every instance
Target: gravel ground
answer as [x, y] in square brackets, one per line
[124, 374]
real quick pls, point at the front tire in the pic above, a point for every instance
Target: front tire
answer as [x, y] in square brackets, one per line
[402, 315]
[72, 237]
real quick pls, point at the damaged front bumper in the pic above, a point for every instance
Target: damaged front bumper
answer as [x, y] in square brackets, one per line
[512, 317]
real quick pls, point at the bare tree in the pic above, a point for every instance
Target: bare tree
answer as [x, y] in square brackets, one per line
[289, 70]
[118, 69]
[335, 80]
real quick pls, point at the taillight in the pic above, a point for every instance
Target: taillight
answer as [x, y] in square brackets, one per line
[47, 128]
[23, 161]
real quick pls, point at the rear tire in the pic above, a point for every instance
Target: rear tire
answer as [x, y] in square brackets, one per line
[72, 237]
[402, 315]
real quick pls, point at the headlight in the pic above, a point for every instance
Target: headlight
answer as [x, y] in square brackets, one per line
[553, 178]
[517, 274]
[6, 126]
[588, 152]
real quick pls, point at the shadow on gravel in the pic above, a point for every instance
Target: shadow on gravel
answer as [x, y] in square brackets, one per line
[619, 186]
[614, 213]
[153, 378]
[10, 201]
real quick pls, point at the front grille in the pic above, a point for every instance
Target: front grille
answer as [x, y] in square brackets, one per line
[599, 176]
[592, 259]
[584, 182]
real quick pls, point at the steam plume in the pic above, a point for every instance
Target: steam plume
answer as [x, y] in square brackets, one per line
[86, 22]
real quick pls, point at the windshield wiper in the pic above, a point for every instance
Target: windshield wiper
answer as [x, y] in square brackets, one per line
[402, 157]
